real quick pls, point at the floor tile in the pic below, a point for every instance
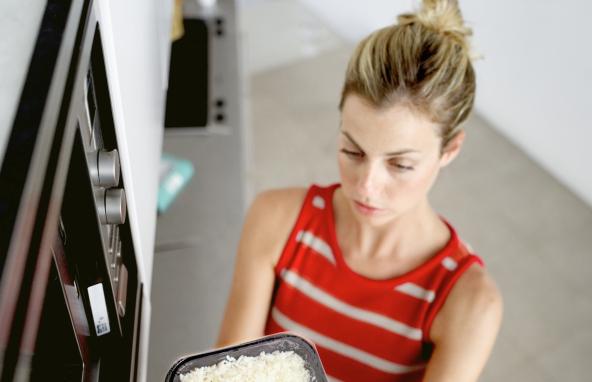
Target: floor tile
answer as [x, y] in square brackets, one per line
[570, 361]
[190, 288]
[527, 371]
[277, 32]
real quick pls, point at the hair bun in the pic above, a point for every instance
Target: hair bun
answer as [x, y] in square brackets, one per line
[443, 16]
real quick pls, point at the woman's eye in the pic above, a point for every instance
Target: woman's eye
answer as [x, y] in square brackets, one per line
[353, 154]
[401, 167]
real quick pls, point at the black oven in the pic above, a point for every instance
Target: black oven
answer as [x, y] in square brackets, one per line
[69, 293]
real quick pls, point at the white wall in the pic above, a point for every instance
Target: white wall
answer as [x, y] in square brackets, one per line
[534, 82]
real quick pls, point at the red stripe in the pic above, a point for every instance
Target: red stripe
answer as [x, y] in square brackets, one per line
[345, 369]
[384, 301]
[363, 336]
[348, 369]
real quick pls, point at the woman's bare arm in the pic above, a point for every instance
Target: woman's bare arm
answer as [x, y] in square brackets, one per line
[267, 225]
[464, 331]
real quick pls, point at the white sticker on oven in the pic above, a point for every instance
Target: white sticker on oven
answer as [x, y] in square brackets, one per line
[98, 306]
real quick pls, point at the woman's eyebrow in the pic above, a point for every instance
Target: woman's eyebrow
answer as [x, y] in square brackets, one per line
[394, 153]
[351, 139]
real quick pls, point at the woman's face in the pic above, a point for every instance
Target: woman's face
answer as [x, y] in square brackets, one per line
[388, 158]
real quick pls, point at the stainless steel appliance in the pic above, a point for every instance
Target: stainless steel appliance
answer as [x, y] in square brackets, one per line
[70, 297]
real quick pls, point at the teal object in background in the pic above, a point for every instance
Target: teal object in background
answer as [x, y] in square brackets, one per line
[175, 174]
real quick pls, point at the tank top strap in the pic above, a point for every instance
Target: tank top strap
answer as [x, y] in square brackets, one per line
[312, 213]
[452, 268]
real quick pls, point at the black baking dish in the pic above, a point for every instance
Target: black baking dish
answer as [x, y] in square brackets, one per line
[268, 344]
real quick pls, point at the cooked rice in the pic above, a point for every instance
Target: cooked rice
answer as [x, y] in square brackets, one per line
[266, 367]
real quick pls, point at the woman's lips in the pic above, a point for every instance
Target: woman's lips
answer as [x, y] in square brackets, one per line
[365, 209]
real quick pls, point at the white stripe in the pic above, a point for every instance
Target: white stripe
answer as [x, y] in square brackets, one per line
[449, 263]
[332, 379]
[318, 202]
[316, 243]
[341, 348]
[348, 310]
[415, 290]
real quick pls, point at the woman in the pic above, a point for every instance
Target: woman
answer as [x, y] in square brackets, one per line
[365, 268]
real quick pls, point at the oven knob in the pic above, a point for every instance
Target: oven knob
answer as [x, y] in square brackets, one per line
[111, 205]
[104, 168]
[115, 206]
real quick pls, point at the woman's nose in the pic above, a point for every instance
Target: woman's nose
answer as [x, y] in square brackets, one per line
[369, 181]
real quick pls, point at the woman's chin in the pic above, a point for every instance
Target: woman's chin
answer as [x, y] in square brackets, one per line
[371, 216]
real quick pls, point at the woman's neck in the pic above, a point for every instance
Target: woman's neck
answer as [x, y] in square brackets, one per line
[416, 234]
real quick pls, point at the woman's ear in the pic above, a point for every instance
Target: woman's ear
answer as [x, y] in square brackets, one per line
[452, 149]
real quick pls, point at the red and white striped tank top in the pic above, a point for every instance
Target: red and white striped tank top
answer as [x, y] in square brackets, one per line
[364, 329]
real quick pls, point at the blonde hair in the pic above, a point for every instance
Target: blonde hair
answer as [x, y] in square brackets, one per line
[423, 60]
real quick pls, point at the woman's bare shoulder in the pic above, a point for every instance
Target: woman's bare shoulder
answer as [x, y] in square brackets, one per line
[477, 284]
[272, 215]
[475, 296]
[279, 204]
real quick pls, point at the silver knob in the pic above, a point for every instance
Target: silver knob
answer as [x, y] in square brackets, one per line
[115, 206]
[104, 168]
[111, 205]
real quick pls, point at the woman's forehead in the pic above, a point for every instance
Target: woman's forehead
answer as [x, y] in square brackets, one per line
[388, 128]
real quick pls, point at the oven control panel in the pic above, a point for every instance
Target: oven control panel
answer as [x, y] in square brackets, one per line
[105, 172]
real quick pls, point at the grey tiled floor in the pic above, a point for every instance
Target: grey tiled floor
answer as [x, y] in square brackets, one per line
[534, 235]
